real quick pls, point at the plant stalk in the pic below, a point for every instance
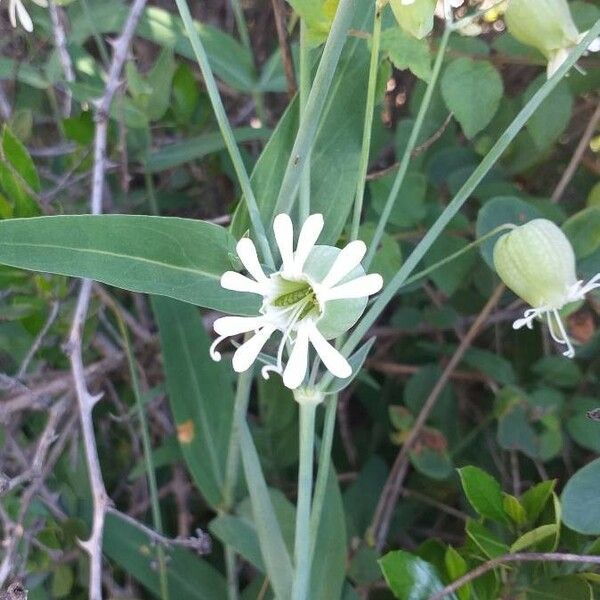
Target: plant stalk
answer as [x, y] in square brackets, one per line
[304, 91]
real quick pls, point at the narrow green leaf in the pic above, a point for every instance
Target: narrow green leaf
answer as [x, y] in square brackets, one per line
[483, 492]
[180, 258]
[485, 540]
[200, 397]
[533, 537]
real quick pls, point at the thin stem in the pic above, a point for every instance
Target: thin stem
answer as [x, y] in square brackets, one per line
[314, 107]
[304, 91]
[148, 461]
[410, 146]
[152, 200]
[516, 557]
[242, 27]
[368, 124]
[463, 195]
[226, 132]
[231, 568]
[302, 545]
[323, 472]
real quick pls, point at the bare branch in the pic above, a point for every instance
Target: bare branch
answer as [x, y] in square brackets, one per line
[517, 557]
[60, 40]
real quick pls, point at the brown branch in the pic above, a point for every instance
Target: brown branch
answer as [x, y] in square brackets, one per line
[517, 557]
[284, 45]
[391, 491]
[577, 156]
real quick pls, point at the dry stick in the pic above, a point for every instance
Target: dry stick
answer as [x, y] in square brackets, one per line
[86, 402]
[60, 40]
[577, 156]
[391, 491]
[284, 45]
[517, 557]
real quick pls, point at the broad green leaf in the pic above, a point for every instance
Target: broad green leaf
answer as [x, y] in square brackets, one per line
[483, 492]
[433, 459]
[472, 91]
[571, 587]
[500, 211]
[241, 536]
[200, 397]
[407, 52]
[409, 206]
[194, 148]
[580, 427]
[179, 258]
[15, 152]
[456, 566]
[485, 540]
[410, 577]
[335, 155]
[22, 71]
[535, 498]
[580, 506]
[558, 371]
[189, 577]
[583, 231]
[552, 117]
[491, 364]
[533, 537]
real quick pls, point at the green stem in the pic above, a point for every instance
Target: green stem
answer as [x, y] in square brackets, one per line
[368, 124]
[226, 132]
[230, 566]
[462, 196]
[242, 27]
[302, 545]
[304, 91]
[410, 146]
[323, 472]
[152, 200]
[458, 253]
[314, 107]
[242, 397]
[148, 462]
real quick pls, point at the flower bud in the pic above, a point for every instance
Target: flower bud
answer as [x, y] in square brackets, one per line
[536, 261]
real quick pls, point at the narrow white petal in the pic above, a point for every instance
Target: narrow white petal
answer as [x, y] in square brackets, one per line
[295, 370]
[346, 260]
[247, 252]
[237, 282]
[331, 358]
[24, 17]
[246, 354]
[309, 234]
[570, 351]
[284, 236]
[357, 288]
[12, 12]
[227, 326]
[595, 45]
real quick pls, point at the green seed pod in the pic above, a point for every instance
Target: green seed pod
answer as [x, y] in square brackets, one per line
[544, 24]
[536, 261]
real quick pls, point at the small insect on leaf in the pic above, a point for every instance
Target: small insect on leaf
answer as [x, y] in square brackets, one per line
[185, 432]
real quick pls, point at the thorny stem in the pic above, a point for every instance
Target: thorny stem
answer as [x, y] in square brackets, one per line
[302, 541]
[85, 400]
[410, 146]
[225, 128]
[368, 124]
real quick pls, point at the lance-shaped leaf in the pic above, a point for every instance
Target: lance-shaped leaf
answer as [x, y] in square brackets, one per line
[167, 256]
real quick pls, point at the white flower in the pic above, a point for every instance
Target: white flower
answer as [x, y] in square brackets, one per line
[16, 9]
[318, 293]
[537, 262]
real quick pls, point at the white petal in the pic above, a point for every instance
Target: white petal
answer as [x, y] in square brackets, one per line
[310, 232]
[227, 326]
[346, 260]
[246, 354]
[12, 12]
[595, 45]
[331, 358]
[357, 288]
[247, 252]
[24, 16]
[237, 282]
[295, 370]
[284, 236]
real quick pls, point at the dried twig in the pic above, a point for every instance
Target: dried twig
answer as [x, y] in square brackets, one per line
[86, 401]
[577, 156]
[517, 557]
[60, 39]
[391, 491]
